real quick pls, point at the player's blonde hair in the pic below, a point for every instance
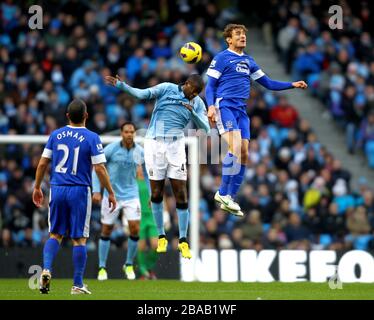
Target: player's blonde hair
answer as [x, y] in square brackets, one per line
[227, 32]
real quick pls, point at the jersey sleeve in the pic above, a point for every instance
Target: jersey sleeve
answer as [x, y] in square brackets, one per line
[97, 150]
[158, 90]
[47, 152]
[200, 117]
[108, 151]
[256, 72]
[216, 67]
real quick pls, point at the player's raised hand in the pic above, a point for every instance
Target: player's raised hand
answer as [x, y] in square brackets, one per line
[112, 202]
[212, 115]
[300, 84]
[96, 197]
[37, 197]
[112, 80]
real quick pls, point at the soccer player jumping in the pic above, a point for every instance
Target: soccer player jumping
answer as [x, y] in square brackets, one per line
[164, 146]
[226, 93]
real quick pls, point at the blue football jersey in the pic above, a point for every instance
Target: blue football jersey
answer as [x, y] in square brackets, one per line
[73, 151]
[233, 72]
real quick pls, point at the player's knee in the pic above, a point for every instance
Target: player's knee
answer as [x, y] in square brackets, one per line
[156, 198]
[182, 205]
[106, 230]
[79, 241]
[58, 237]
[134, 229]
[236, 150]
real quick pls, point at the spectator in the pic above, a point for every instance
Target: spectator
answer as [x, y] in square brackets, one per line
[366, 140]
[283, 114]
[298, 236]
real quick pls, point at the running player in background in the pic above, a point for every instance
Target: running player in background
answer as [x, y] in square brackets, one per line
[73, 150]
[164, 146]
[123, 158]
[147, 255]
[226, 93]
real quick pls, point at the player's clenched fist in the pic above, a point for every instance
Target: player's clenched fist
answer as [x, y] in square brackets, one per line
[212, 115]
[300, 84]
[96, 197]
[112, 202]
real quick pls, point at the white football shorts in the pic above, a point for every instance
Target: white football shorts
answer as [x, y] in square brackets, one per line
[131, 211]
[165, 158]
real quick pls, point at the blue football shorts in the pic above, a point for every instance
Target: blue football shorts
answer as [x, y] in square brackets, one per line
[230, 119]
[70, 211]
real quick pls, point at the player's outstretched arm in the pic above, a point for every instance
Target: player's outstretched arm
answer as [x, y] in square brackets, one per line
[37, 195]
[141, 94]
[103, 175]
[275, 85]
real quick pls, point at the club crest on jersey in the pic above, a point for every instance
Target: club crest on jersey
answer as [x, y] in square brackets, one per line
[228, 124]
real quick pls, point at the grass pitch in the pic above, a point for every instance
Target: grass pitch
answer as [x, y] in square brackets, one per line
[18, 289]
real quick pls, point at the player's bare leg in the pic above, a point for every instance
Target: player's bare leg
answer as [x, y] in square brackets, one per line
[79, 261]
[230, 168]
[180, 193]
[50, 250]
[104, 246]
[128, 268]
[157, 196]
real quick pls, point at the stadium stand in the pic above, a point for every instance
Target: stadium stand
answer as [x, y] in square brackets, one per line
[296, 194]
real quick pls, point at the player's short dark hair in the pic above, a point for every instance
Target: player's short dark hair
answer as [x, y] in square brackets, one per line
[197, 81]
[76, 110]
[227, 32]
[127, 123]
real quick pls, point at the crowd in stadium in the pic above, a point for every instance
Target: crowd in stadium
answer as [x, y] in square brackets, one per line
[337, 63]
[295, 195]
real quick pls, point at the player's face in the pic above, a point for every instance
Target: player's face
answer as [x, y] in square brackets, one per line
[238, 39]
[190, 91]
[128, 133]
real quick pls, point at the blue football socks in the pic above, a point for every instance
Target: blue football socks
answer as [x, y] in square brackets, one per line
[158, 213]
[183, 218]
[79, 262]
[132, 248]
[104, 246]
[50, 250]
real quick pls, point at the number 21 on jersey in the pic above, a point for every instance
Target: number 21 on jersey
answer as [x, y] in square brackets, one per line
[61, 165]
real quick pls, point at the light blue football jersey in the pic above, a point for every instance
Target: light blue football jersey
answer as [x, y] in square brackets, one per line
[121, 165]
[170, 117]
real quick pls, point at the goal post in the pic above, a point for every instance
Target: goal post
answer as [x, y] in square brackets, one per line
[192, 143]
